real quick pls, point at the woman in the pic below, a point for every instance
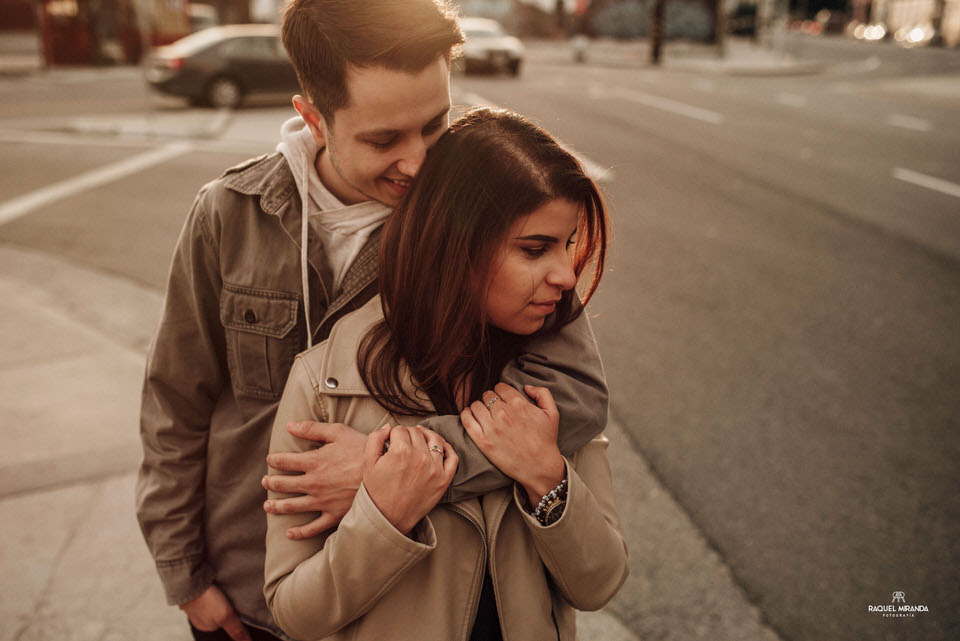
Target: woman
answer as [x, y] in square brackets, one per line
[484, 252]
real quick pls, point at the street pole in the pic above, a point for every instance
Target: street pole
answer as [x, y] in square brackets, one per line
[763, 22]
[720, 27]
[656, 32]
[937, 20]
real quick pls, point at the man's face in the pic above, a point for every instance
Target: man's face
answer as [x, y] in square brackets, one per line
[376, 144]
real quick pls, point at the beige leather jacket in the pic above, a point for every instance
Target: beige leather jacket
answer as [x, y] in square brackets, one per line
[232, 324]
[366, 580]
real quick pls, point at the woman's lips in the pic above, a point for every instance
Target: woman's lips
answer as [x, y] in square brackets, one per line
[546, 307]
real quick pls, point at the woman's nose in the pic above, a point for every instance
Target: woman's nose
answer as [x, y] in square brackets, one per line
[561, 273]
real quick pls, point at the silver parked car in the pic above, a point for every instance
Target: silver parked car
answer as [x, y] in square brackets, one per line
[488, 48]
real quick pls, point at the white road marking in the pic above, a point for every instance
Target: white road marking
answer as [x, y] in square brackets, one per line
[248, 147]
[791, 99]
[22, 205]
[597, 172]
[57, 138]
[658, 102]
[593, 169]
[922, 180]
[909, 122]
[860, 66]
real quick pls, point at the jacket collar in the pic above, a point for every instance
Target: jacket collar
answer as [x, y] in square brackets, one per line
[339, 374]
[266, 176]
[340, 357]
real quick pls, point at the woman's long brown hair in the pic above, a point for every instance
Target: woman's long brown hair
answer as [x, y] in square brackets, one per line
[489, 169]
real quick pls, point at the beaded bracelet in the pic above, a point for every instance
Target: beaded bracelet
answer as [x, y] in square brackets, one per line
[550, 508]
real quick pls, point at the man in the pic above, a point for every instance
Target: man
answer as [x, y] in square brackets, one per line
[271, 255]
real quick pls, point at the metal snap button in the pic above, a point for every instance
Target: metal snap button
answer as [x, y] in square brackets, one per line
[250, 317]
[332, 383]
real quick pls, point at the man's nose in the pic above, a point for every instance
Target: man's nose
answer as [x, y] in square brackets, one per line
[412, 157]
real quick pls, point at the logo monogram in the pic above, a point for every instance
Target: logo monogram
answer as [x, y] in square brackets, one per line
[899, 596]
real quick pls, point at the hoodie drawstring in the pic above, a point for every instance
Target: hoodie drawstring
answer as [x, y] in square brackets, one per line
[304, 264]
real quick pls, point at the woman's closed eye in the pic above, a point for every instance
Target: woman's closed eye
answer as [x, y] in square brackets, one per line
[535, 252]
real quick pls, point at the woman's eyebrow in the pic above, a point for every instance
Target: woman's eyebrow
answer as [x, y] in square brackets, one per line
[539, 237]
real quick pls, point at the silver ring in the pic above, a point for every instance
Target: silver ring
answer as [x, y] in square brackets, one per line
[436, 448]
[492, 401]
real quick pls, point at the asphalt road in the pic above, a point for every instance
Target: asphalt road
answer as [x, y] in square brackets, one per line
[780, 321]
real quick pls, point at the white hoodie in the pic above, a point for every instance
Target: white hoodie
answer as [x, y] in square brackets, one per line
[343, 229]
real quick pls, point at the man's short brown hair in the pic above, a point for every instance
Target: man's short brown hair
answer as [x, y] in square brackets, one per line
[323, 37]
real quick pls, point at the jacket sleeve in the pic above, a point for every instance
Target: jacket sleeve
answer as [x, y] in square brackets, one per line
[565, 362]
[584, 550]
[185, 373]
[316, 586]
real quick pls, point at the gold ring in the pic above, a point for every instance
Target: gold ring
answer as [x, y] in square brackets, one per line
[436, 448]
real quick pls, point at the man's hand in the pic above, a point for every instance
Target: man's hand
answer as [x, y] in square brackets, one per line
[212, 610]
[518, 437]
[330, 478]
[408, 480]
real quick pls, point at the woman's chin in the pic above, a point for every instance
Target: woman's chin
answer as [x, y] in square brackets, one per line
[525, 326]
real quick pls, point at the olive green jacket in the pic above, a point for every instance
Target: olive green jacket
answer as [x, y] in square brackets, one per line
[367, 581]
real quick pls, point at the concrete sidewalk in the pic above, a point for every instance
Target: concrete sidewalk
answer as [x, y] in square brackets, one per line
[73, 561]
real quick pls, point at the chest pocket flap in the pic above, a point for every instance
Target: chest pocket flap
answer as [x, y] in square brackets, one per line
[259, 311]
[261, 340]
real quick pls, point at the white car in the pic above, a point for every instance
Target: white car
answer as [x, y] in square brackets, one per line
[488, 48]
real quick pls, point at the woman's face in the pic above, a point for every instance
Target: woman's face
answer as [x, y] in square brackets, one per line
[533, 267]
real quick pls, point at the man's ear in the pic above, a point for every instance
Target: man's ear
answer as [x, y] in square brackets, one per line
[312, 117]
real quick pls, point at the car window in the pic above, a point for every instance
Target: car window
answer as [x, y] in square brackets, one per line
[189, 45]
[255, 47]
[279, 51]
[483, 33]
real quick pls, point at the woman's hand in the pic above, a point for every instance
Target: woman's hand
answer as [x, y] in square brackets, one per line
[408, 480]
[519, 437]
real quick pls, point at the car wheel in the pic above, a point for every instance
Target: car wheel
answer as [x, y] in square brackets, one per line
[513, 68]
[224, 92]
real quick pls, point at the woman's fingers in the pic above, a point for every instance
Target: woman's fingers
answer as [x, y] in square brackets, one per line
[417, 440]
[492, 401]
[543, 398]
[507, 393]
[450, 462]
[470, 423]
[374, 447]
[399, 438]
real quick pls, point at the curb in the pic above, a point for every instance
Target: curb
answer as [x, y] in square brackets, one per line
[154, 126]
[785, 68]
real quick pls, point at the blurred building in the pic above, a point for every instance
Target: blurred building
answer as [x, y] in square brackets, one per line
[686, 19]
[90, 32]
[907, 15]
[496, 9]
